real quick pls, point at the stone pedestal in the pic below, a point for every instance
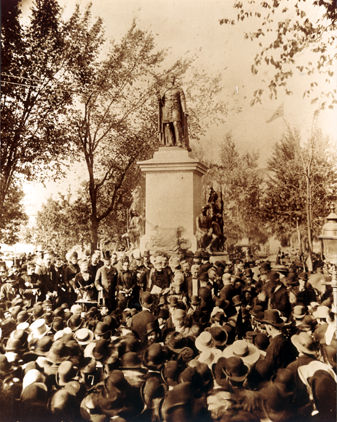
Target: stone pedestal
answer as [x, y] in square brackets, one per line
[173, 199]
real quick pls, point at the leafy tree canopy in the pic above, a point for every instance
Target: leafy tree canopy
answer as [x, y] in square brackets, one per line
[301, 179]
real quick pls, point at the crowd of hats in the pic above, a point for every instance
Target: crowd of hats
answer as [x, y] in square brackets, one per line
[195, 360]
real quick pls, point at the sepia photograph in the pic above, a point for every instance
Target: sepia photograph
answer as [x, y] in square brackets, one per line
[168, 211]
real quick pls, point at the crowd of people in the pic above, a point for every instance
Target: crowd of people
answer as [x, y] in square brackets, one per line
[157, 337]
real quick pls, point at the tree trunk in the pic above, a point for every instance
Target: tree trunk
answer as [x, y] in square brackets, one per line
[94, 233]
[309, 223]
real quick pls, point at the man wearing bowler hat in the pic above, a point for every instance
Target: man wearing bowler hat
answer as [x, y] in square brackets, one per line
[280, 351]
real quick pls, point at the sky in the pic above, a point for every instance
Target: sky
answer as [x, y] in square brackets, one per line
[192, 27]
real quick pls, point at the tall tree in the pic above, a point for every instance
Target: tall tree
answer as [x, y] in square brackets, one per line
[295, 38]
[37, 63]
[301, 179]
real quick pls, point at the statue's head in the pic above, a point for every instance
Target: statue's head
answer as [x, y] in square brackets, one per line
[172, 79]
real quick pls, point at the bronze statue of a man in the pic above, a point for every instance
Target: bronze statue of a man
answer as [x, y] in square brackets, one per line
[173, 116]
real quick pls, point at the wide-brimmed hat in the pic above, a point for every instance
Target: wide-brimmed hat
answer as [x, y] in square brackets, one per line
[219, 336]
[321, 312]
[209, 357]
[235, 369]
[83, 336]
[304, 343]
[38, 329]
[244, 350]
[154, 356]
[176, 342]
[204, 341]
[272, 317]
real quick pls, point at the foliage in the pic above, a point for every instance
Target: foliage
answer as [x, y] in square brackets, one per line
[301, 180]
[294, 39]
[62, 224]
[35, 94]
[13, 216]
[116, 122]
[239, 180]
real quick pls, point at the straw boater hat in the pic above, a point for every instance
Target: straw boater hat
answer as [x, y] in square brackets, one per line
[83, 336]
[244, 350]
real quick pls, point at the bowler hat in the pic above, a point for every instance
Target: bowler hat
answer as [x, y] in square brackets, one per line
[32, 376]
[75, 322]
[291, 279]
[272, 317]
[186, 354]
[131, 360]
[176, 342]
[180, 395]
[101, 349]
[235, 369]
[147, 299]
[219, 336]
[154, 356]
[43, 345]
[299, 311]
[58, 352]
[66, 372]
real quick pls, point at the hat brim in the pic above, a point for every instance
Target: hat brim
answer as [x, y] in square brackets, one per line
[251, 358]
[300, 347]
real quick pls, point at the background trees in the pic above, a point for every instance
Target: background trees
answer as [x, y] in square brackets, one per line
[35, 95]
[301, 179]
